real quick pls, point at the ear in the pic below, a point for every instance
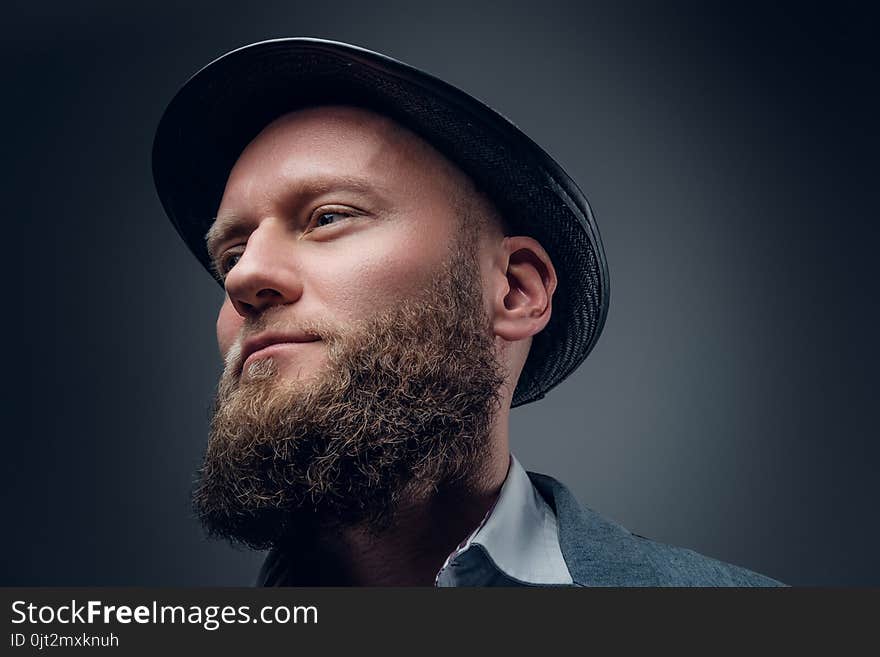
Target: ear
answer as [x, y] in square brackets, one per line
[522, 302]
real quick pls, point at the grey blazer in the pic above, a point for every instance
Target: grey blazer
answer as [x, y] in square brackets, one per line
[599, 552]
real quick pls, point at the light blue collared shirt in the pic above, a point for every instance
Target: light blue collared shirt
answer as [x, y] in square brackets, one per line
[516, 544]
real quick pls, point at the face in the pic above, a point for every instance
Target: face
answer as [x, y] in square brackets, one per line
[344, 250]
[331, 214]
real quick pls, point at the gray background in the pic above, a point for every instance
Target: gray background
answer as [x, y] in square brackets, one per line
[730, 157]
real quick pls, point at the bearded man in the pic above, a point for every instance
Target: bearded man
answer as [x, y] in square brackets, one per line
[402, 266]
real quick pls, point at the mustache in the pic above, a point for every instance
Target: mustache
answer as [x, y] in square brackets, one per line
[280, 319]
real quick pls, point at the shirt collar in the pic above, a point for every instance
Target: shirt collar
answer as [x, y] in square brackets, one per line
[517, 541]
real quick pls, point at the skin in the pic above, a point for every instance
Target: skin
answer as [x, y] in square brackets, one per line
[381, 243]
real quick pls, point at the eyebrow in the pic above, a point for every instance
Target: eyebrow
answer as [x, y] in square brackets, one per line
[228, 225]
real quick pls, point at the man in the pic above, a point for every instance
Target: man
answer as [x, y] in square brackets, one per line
[402, 266]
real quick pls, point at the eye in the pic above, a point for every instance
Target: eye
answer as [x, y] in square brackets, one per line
[330, 215]
[227, 261]
[327, 218]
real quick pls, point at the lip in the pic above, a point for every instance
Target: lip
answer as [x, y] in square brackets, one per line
[263, 341]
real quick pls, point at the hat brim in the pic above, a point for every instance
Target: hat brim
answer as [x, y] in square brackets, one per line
[221, 108]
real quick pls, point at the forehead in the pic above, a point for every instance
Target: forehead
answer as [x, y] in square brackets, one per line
[338, 142]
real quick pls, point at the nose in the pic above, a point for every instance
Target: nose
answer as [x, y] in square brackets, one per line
[266, 273]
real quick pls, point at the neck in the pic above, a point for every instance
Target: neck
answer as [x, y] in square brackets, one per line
[411, 551]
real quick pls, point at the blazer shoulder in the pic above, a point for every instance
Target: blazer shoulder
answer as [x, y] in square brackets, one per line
[669, 565]
[600, 552]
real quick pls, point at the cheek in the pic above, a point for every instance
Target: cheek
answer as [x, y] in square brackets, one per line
[228, 324]
[380, 275]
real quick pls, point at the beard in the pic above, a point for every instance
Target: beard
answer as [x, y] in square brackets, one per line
[403, 407]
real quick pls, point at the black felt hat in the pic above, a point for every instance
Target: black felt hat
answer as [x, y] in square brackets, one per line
[220, 109]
